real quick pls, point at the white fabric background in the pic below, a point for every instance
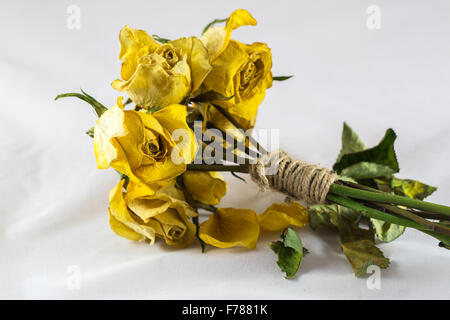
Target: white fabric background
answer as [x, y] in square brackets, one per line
[53, 199]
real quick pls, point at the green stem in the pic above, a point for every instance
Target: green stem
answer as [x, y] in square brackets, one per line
[406, 214]
[388, 198]
[209, 25]
[236, 158]
[376, 214]
[414, 217]
[193, 204]
[420, 213]
[236, 145]
[233, 121]
[430, 215]
[205, 206]
[98, 107]
[243, 168]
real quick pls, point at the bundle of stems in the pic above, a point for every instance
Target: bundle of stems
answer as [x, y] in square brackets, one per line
[430, 218]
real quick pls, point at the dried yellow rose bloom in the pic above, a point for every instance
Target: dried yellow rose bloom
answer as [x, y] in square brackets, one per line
[158, 75]
[140, 145]
[140, 215]
[240, 71]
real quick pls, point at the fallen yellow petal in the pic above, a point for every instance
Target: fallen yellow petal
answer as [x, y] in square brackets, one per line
[229, 227]
[281, 215]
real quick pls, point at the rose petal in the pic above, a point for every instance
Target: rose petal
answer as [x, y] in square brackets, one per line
[281, 215]
[216, 39]
[121, 221]
[229, 227]
[206, 187]
[133, 45]
[197, 58]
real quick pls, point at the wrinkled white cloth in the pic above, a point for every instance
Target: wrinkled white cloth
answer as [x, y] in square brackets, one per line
[55, 240]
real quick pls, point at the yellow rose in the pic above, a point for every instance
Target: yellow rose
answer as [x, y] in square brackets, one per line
[138, 215]
[141, 145]
[158, 75]
[206, 187]
[239, 70]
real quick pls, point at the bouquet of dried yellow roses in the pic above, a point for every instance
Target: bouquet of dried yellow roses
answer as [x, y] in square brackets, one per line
[191, 105]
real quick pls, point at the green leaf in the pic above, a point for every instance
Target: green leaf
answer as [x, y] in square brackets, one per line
[359, 248]
[405, 187]
[124, 177]
[212, 23]
[357, 244]
[210, 96]
[154, 109]
[330, 215]
[367, 170]
[386, 231]
[290, 252]
[90, 132]
[98, 107]
[159, 39]
[292, 240]
[351, 142]
[127, 102]
[282, 78]
[383, 155]
[347, 179]
[412, 188]
[444, 245]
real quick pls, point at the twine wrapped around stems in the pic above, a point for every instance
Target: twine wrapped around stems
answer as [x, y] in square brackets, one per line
[296, 178]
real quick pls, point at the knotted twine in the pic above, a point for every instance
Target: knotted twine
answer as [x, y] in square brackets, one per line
[297, 179]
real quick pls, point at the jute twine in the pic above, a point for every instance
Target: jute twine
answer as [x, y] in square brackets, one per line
[297, 179]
